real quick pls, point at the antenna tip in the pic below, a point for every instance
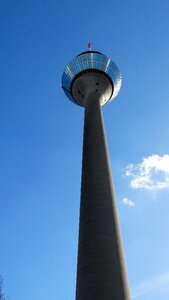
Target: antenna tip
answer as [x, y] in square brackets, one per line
[90, 46]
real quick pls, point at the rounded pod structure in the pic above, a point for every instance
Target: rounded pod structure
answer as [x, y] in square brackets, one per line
[88, 72]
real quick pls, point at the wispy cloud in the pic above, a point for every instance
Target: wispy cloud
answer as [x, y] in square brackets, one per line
[157, 284]
[128, 202]
[151, 174]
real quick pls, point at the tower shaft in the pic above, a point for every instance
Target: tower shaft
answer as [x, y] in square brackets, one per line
[101, 270]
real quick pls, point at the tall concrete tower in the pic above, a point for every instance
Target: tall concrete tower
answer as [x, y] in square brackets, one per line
[91, 80]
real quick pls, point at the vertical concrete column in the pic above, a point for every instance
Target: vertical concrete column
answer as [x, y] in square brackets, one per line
[101, 270]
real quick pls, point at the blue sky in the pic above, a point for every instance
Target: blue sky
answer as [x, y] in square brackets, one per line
[41, 142]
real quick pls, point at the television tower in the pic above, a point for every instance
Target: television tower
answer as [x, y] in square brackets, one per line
[91, 80]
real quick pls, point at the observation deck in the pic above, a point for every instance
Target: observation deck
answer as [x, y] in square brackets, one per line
[91, 71]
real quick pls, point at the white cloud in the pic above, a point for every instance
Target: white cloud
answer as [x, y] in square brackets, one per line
[152, 173]
[157, 284]
[128, 202]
